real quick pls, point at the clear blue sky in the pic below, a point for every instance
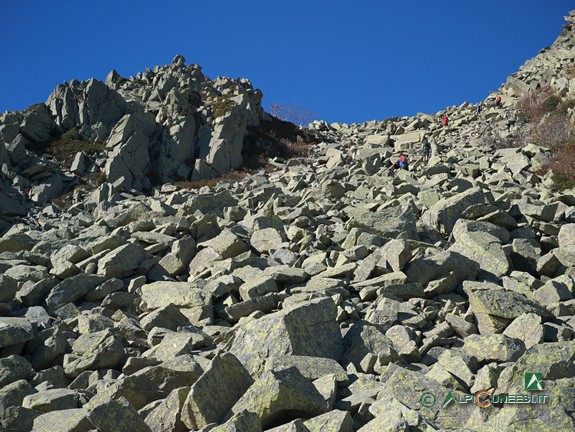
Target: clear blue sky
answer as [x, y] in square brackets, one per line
[346, 61]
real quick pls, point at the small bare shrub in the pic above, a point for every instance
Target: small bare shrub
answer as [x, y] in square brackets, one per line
[292, 113]
[554, 132]
[532, 103]
[563, 165]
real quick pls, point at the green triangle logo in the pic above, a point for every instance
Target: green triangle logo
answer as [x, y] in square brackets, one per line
[533, 381]
[447, 400]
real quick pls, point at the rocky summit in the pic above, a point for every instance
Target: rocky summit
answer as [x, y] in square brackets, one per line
[322, 293]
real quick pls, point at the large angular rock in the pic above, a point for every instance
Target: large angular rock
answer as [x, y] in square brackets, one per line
[17, 241]
[494, 347]
[336, 421]
[396, 254]
[14, 393]
[116, 416]
[8, 288]
[15, 331]
[267, 240]
[52, 400]
[67, 420]
[494, 307]
[424, 270]
[244, 421]
[97, 350]
[181, 294]
[483, 248]
[368, 347]
[444, 214]
[122, 262]
[304, 329]
[408, 387]
[72, 289]
[394, 222]
[281, 395]
[168, 317]
[566, 235]
[87, 103]
[38, 124]
[226, 244]
[167, 415]
[215, 392]
[13, 368]
[553, 360]
[176, 344]
[311, 368]
[526, 327]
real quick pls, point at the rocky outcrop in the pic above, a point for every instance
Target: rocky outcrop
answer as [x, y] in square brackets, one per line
[172, 123]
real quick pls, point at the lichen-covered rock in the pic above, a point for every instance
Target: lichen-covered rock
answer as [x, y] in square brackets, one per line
[68, 420]
[72, 289]
[310, 367]
[52, 400]
[494, 347]
[304, 329]
[226, 244]
[243, 421]
[444, 214]
[553, 360]
[181, 294]
[97, 350]
[122, 262]
[8, 288]
[495, 308]
[483, 248]
[408, 386]
[167, 415]
[168, 317]
[215, 392]
[333, 421]
[276, 394]
[116, 416]
[14, 393]
[15, 331]
[394, 222]
[267, 240]
[13, 368]
[424, 270]
[367, 347]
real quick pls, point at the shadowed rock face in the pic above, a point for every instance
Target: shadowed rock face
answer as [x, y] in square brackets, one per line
[326, 293]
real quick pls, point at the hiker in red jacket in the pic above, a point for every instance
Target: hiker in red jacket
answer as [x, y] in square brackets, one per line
[445, 120]
[498, 101]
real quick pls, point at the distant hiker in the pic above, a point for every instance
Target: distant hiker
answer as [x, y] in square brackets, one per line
[426, 151]
[478, 107]
[498, 101]
[445, 120]
[401, 163]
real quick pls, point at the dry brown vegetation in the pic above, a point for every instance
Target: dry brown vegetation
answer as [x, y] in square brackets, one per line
[551, 127]
[275, 138]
